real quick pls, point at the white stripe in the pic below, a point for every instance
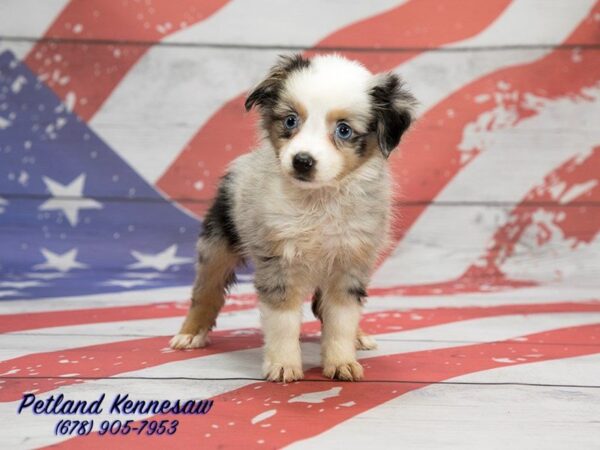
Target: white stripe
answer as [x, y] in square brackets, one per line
[26, 18]
[445, 241]
[268, 22]
[475, 417]
[246, 363]
[126, 298]
[171, 92]
[75, 336]
[580, 370]
[557, 259]
[550, 293]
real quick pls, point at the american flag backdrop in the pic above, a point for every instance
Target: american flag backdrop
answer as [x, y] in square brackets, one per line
[117, 118]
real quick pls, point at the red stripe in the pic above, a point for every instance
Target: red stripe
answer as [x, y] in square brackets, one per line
[416, 23]
[423, 24]
[417, 369]
[120, 357]
[92, 71]
[476, 282]
[47, 319]
[578, 225]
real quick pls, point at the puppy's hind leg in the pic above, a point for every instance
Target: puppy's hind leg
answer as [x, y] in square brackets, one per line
[341, 310]
[363, 341]
[215, 272]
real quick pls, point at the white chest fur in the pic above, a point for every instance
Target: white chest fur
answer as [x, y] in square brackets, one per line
[319, 227]
[310, 226]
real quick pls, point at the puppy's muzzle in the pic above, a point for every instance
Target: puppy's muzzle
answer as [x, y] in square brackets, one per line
[304, 166]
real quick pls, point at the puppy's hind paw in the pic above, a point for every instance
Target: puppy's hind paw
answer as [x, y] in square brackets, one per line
[365, 342]
[282, 372]
[185, 341]
[351, 371]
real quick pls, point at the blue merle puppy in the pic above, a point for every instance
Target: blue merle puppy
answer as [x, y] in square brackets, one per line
[310, 207]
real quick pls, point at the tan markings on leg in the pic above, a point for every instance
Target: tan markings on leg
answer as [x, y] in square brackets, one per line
[215, 268]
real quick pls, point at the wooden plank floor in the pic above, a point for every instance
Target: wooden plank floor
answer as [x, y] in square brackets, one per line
[117, 118]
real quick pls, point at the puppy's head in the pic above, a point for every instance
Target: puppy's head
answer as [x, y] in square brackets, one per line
[325, 117]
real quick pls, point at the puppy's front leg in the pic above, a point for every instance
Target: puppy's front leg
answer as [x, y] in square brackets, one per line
[281, 327]
[341, 310]
[281, 316]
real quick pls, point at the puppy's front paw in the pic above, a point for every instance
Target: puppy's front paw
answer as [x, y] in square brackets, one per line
[350, 371]
[284, 372]
[365, 342]
[184, 341]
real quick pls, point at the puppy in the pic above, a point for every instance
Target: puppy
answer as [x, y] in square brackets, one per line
[310, 207]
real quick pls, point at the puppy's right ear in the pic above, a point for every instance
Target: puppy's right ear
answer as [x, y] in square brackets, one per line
[265, 95]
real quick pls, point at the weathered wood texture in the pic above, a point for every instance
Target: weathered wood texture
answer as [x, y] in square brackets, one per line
[117, 119]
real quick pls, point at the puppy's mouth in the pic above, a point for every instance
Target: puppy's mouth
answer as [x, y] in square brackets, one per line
[302, 180]
[298, 178]
[302, 177]
[306, 181]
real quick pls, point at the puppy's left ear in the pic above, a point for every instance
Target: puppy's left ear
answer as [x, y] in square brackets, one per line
[393, 110]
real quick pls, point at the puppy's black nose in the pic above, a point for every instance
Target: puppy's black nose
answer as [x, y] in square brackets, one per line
[303, 163]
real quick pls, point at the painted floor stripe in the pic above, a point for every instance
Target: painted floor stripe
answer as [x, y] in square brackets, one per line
[111, 359]
[483, 414]
[335, 402]
[247, 363]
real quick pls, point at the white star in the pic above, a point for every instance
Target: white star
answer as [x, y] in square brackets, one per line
[69, 199]
[3, 203]
[125, 283]
[161, 261]
[62, 263]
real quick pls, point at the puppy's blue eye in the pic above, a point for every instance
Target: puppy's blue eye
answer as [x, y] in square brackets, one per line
[291, 121]
[343, 131]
